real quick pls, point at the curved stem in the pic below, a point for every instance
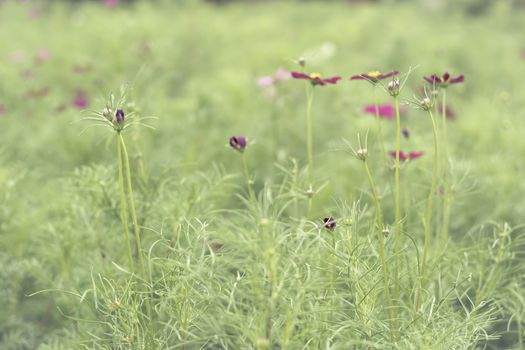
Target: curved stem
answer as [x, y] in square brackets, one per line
[246, 174]
[123, 205]
[428, 218]
[136, 228]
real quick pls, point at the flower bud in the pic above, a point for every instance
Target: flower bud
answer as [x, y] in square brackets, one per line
[426, 104]
[119, 117]
[362, 154]
[406, 133]
[302, 61]
[329, 223]
[238, 143]
[393, 87]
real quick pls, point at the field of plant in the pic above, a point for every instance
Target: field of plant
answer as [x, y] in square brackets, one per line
[268, 175]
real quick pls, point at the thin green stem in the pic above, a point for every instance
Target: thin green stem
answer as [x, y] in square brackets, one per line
[446, 189]
[397, 231]
[246, 174]
[428, 217]
[380, 236]
[123, 205]
[309, 131]
[136, 228]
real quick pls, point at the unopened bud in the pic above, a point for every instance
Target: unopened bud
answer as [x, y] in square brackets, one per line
[393, 87]
[301, 61]
[362, 154]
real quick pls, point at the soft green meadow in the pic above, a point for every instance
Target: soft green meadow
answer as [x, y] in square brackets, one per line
[153, 233]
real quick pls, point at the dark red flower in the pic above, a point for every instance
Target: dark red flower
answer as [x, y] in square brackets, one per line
[374, 76]
[238, 143]
[329, 223]
[315, 78]
[406, 156]
[449, 112]
[445, 80]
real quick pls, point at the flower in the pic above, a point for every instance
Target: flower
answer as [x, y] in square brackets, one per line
[445, 80]
[406, 156]
[238, 143]
[119, 117]
[374, 76]
[450, 114]
[386, 110]
[110, 3]
[315, 78]
[269, 82]
[329, 223]
[80, 101]
[406, 133]
[2, 109]
[42, 55]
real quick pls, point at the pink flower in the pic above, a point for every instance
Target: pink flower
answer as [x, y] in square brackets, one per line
[2, 109]
[386, 111]
[269, 82]
[80, 101]
[17, 56]
[406, 156]
[110, 3]
[42, 55]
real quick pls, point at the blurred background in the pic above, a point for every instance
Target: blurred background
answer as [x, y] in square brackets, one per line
[195, 65]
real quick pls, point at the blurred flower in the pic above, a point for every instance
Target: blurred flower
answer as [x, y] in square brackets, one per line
[406, 133]
[386, 110]
[42, 55]
[238, 143]
[111, 3]
[374, 76]
[80, 101]
[268, 83]
[216, 246]
[329, 223]
[445, 80]
[2, 109]
[406, 156]
[315, 78]
[17, 56]
[449, 112]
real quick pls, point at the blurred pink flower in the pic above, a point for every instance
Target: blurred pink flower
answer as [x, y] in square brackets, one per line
[80, 101]
[386, 111]
[42, 55]
[268, 82]
[111, 3]
[17, 56]
[2, 109]
[406, 156]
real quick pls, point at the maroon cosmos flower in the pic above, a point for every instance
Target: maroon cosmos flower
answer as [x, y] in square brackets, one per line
[445, 80]
[315, 78]
[329, 223]
[406, 156]
[238, 143]
[374, 76]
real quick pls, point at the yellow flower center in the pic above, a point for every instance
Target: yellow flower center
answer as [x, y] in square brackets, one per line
[374, 74]
[315, 75]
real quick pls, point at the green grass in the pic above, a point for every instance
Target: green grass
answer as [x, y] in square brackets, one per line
[279, 281]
